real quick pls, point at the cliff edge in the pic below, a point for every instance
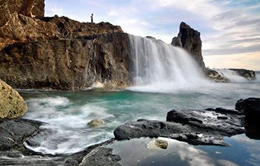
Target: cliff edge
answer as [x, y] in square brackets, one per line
[57, 52]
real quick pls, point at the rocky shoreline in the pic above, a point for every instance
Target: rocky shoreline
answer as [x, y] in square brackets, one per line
[38, 52]
[196, 127]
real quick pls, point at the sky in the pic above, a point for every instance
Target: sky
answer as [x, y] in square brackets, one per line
[230, 29]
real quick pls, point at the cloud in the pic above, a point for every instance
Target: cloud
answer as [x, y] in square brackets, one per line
[53, 8]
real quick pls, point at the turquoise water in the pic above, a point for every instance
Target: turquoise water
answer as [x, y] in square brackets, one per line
[67, 114]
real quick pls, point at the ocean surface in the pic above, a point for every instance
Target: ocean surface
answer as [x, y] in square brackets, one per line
[67, 115]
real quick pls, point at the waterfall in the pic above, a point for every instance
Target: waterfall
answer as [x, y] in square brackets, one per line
[160, 66]
[231, 75]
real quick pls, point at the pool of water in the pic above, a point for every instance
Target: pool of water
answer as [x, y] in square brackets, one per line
[67, 113]
[138, 152]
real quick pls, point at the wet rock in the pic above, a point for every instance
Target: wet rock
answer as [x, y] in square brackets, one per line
[180, 117]
[13, 133]
[101, 156]
[190, 40]
[161, 144]
[96, 123]
[12, 104]
[214, 75]
[248, 74]
[157, 144]
[97, 154]
[198, 127]
[251, 109]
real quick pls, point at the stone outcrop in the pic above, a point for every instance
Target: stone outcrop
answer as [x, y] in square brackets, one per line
[214, 75]
[190, 40]
[12, 104]
[13, 133]
[197, 127]
[248, 74]
[251, 108]
[59, 53]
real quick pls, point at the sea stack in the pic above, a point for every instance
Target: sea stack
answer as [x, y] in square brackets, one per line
[189, 39]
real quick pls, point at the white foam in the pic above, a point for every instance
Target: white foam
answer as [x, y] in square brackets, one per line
[69, 123]
[231, 75]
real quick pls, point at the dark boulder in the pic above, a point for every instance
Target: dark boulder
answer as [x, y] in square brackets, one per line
[251, 109]
[13, 133]
[180, 117]
[198, 127]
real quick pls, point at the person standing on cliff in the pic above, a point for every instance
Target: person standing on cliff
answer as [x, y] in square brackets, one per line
[91, 17]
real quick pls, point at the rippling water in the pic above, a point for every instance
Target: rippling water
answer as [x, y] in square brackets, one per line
[67, 113]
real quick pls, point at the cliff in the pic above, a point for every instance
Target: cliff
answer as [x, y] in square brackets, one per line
[57, 52]
[190, 40]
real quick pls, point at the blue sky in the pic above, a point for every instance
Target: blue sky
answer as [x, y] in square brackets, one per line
[230, 29]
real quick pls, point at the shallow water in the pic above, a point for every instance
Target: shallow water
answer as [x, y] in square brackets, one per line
[67, 113]
[136, 152]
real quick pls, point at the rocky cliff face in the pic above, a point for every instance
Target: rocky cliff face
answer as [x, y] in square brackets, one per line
[58, 52]
[190, 40]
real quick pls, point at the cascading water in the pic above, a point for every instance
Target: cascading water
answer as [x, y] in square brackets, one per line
[162, 67]
[231, 75]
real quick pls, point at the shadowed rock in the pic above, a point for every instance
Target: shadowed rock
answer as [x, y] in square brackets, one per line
[13, 133]
[189, 39]
[251, 109]
[197, 127]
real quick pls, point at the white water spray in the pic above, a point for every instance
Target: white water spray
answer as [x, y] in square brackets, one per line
[162, 67]
[231, 75]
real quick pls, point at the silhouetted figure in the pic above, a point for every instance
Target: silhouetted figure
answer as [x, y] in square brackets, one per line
[91, 18]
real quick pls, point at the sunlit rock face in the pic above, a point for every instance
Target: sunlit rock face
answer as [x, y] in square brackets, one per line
[12, 104]
[57, 52]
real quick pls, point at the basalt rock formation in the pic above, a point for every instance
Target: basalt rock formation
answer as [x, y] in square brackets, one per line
[197, 127]
[57, 52]
[190, 40]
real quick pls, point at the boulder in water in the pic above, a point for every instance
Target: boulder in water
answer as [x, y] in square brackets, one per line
[12, 104]
[157, 144]
[96, 123]
[161, 144]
